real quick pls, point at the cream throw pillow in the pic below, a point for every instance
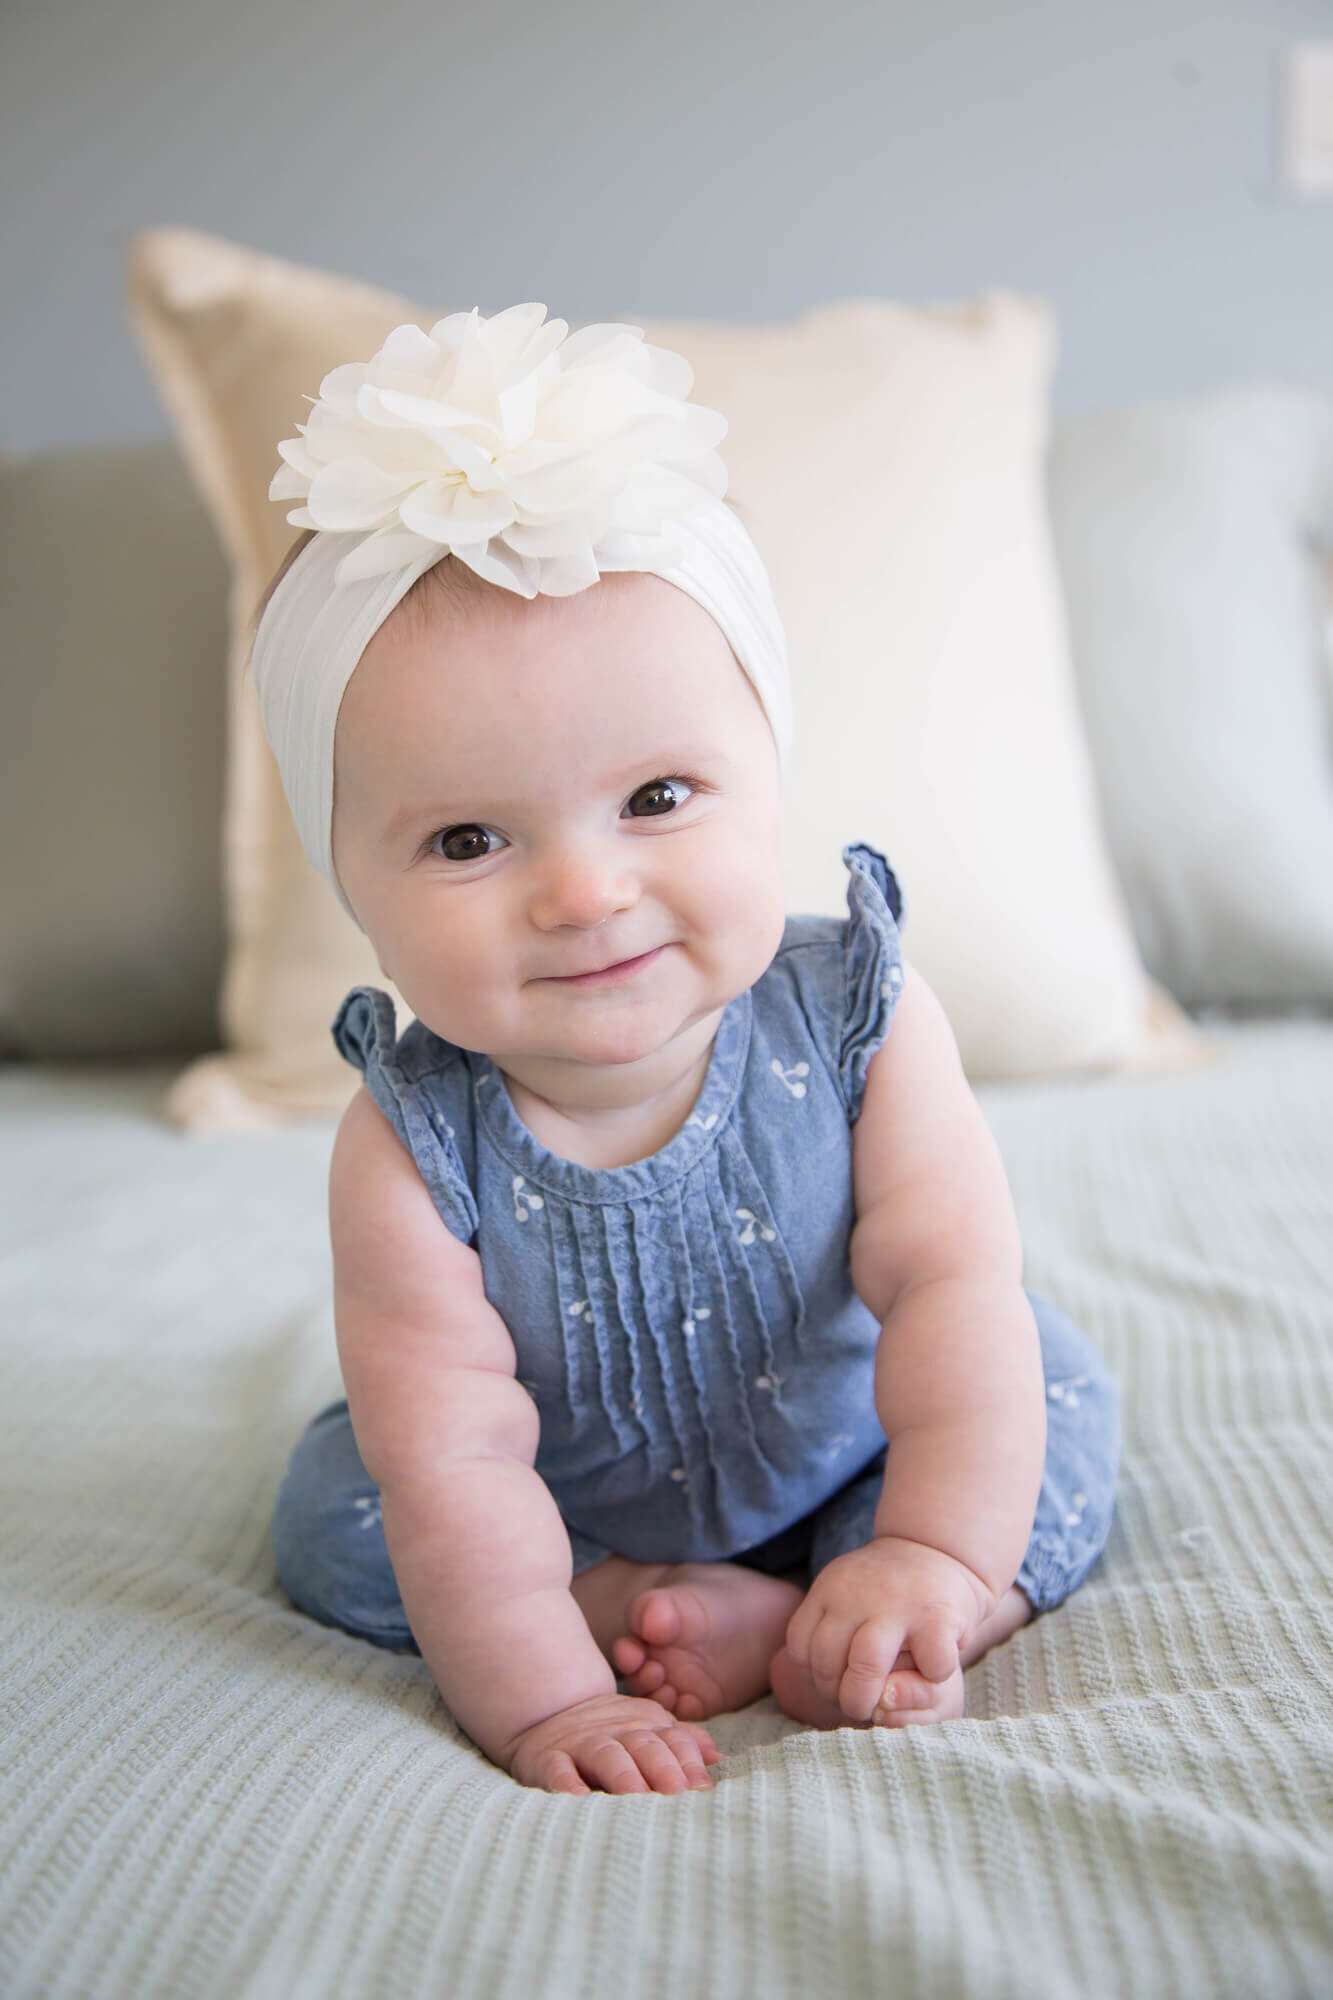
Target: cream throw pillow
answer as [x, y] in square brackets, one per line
[889, 464]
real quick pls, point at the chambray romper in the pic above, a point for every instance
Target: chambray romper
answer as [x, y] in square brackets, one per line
[686, 1324]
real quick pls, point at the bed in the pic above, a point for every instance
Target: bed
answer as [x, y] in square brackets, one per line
[203, 1794]
[206, 1794]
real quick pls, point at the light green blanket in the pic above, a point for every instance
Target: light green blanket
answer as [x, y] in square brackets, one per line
[202, 1793]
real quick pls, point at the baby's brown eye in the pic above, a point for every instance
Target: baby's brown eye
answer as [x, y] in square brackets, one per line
[661, 795]
[463, 843]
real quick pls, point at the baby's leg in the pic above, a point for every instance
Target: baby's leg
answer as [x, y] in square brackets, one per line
[1078, 1485]
[697, 1637]
[328, 1537]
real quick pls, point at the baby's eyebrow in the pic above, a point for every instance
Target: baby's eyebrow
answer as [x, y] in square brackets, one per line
[407, 817]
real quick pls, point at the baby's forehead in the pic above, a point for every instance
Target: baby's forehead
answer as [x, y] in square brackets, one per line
[631, 662]
[469, 632]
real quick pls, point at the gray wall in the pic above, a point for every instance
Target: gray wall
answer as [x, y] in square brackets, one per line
[699, 156]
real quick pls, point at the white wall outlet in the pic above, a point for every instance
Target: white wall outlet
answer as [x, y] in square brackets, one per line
[1307, 118]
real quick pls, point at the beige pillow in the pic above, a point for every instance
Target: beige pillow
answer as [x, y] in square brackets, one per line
[889, 463]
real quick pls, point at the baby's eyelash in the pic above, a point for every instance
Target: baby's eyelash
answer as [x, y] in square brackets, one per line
[663, 778]
[693, 785]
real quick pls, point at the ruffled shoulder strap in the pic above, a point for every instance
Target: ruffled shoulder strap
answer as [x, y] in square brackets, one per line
[422, 1086]
[872, 966]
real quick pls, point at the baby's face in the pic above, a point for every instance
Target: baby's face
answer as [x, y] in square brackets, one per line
[526, 790]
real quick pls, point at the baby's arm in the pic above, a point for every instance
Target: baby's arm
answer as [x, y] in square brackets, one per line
[959, 1386]
[480, 1554]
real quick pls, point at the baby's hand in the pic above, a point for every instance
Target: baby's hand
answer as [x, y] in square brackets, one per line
[867, 1608]
[619, 1743]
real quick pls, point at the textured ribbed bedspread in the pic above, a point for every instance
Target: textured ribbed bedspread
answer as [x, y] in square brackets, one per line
[202, 1793]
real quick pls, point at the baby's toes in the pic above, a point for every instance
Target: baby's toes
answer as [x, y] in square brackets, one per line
[909, 1697]
[654, 1617]
[628, 1654]
[649, 1679]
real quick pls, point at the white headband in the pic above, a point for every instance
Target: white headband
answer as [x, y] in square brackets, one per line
[539, 461]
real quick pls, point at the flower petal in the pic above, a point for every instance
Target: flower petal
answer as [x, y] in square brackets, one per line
[669, 374]
[473, 461]
[339, 388]
[551, 538]
[563, 576]
[409, 351]
[296, 452]
[498, 564]
[408, 411]
[382, 553]
[288, 484]
[352, 493]
[602, 340]
[510, 331]
[452, 512]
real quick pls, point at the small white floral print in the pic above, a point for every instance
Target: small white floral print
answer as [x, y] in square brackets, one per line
[747, 1235]
[836, 1446]
[1067, 1392]
[524, 1194]
[581, 1309]
[679, 1475]
[370, 1510]
[707, 1123]
[797, 1069]
[770, 1382]
[688, 1327]
[1080, 1502]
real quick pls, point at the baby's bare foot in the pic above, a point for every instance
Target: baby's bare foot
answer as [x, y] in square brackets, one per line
[908, 1697]
[701, 1638]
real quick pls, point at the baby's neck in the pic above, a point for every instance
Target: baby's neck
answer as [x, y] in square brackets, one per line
[612, 1116]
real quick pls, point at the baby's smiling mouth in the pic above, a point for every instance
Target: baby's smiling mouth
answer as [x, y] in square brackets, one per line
[624, 968]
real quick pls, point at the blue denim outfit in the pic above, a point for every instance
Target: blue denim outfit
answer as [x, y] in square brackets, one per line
[686, 1324]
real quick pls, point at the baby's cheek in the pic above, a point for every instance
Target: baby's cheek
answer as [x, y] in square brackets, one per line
[749, 902]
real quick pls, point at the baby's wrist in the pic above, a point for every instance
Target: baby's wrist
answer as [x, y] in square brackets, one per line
[973, 1594]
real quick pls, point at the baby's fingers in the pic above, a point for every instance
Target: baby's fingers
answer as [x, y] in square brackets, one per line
[875, 1649]
[561, 1775]
[933, 1641]
[669, 1762]
[829, 1645]
[693, 1755]
[648, 1761]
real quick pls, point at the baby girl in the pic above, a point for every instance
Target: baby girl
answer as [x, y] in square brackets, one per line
[677, 1283]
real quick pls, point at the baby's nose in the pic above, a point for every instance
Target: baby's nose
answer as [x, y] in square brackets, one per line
[581, 889]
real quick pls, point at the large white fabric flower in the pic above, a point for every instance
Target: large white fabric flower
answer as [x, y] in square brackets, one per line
[538, 459]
